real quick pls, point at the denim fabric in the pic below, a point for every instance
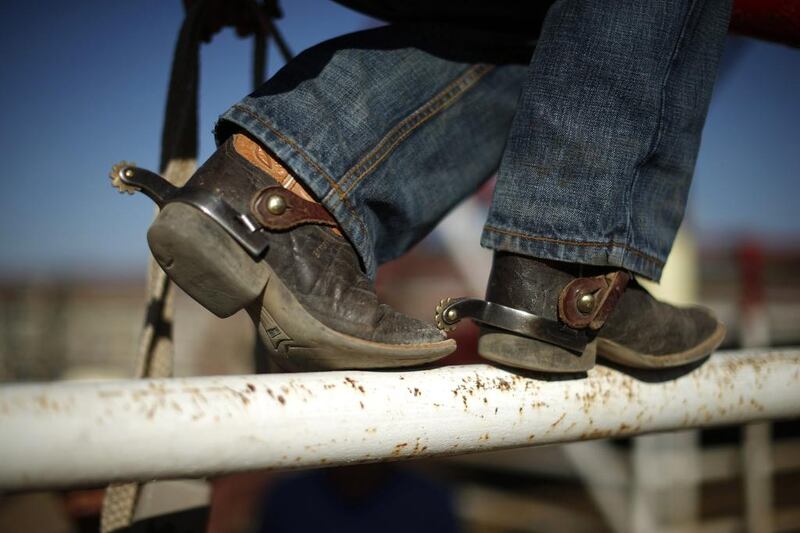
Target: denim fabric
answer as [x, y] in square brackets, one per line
[389, 128]
[597, 132]
[604, 142]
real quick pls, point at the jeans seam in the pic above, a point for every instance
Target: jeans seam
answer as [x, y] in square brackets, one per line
[296, 147]
[659, 129]
[610, 244]
[404, 128]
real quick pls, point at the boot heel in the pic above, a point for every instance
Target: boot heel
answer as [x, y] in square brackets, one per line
[203, 260]
[532, 354]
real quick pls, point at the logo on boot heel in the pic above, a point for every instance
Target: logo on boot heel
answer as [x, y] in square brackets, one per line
[273, 332]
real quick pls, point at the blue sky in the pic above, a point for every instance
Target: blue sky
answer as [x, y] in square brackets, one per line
[83, 86]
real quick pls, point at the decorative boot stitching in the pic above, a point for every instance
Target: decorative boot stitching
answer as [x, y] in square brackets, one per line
[313, 164]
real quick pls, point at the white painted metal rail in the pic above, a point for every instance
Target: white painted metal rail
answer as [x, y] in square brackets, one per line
[71, 434]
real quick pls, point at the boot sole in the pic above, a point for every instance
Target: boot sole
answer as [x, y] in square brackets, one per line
[531, 354]
[204, 261]
[622, 355]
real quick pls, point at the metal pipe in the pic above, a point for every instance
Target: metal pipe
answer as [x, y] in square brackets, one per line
[71, 434]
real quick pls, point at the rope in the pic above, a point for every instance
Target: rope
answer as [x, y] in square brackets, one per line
[178, 163]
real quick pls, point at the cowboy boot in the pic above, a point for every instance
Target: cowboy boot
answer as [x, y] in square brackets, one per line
[557, 317]
[313, 306]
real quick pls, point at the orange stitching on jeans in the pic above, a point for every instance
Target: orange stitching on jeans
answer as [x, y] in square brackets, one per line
[611, 244]
[403, 129]
[429, 104]
[311, 162]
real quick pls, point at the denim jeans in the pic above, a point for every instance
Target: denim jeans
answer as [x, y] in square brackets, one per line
[593, 129]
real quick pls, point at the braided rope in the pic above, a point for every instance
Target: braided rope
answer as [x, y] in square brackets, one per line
[178, 163]
[178, 155]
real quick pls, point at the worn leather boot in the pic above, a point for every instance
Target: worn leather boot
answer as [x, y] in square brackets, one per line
[313, 306]
[622, 321]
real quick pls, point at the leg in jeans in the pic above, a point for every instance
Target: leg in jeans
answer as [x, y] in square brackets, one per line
[604, 141]
[597, 170]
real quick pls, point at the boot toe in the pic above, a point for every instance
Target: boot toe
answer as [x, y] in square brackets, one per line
[394, 327]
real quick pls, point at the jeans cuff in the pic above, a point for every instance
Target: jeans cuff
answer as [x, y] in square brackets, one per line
[611, 254]
[306, 169]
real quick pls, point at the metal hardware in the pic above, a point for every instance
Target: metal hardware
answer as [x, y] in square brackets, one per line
[450, 312]
[117, 176]
[438, 316]
[185, 427]
[238, 225]
[133, 178]
[244, 229]
[276, 204]
[586, 303]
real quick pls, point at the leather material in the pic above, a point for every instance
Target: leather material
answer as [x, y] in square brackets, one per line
[646, 325]
[638, 321]
[263, 160]
[606, 291]
[320, 268]
[260, 158]
[297, 211]
[525, 283]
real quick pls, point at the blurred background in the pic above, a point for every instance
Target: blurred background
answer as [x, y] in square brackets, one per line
[84, 86]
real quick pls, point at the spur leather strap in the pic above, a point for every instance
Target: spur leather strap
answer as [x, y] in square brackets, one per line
[279, 209]
[587, 302]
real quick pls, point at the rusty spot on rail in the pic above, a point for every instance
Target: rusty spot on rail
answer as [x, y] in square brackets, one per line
[597, 434]
[557, 422]
[398, 448]
[353, 383]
